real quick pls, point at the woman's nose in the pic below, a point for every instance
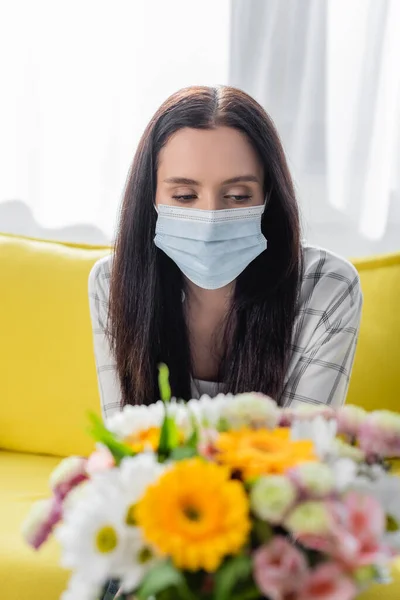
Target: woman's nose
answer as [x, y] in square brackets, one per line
[211, 201]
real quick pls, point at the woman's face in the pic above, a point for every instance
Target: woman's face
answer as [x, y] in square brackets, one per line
[210, 169]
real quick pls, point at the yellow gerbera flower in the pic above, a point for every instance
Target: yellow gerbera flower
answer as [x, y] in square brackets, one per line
[195, 514]
[262, 451]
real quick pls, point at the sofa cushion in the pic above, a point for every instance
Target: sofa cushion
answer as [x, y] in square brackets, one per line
[375, 382]
[24, 573]
[48, 376]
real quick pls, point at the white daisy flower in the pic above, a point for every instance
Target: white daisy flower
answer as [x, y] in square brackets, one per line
[81, 589]
[321, 431]
[99, 537]
[344, 471]
[78, 494]
[134, 419]
[209, 411]
[92, 536]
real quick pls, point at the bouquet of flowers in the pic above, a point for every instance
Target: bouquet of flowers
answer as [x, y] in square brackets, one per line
[230, 497]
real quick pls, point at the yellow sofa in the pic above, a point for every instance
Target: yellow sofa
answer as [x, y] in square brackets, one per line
[48, 383]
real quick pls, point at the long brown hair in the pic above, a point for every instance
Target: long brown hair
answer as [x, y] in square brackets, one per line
[146, 319]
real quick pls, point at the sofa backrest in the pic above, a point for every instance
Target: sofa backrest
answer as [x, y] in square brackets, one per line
[375, 381]
[47, 372]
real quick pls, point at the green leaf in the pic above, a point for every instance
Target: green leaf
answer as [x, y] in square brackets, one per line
[101, 434]
[163, 450]
[249, 593]
[193, 440]
[262, 531]
[231, 572]
[183, 452]
[161, 577]
[223, 425]
[163, 382]
[169, 437]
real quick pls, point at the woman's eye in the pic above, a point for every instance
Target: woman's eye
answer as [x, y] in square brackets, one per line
[185, 197]
[239, 198]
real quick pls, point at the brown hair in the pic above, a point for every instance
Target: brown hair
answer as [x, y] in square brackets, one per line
[146, 320]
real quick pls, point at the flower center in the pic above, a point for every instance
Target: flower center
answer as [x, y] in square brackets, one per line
[192, 513]
[130, 518]
[144, 555]
[106, 539]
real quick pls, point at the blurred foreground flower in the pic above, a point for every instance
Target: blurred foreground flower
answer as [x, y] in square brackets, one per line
[260, 451]
[195, 514]
[328, 582]
[321, 430]
[40, 522]
[252, 410]
[271, 497]
[314, 480]
[99, 535]
[280, 570]
[350, 418]
[379, 434]
[309, 518]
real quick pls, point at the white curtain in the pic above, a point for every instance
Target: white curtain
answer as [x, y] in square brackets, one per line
[328, 71]
[79, 82]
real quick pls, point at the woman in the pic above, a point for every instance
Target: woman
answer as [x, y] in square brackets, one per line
[209, 274]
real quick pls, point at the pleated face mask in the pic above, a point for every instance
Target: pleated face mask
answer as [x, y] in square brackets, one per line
[210, 247]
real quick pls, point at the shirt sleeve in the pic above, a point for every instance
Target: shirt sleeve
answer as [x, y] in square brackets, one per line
[108, 381]
[324, 351]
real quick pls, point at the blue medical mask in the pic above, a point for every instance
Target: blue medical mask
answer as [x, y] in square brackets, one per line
[210, 247]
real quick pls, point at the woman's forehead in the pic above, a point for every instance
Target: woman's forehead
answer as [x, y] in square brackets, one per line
[199, 154]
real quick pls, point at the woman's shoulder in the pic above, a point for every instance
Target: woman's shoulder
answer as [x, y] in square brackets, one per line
[99, 278]
[319, 260]
[328, 276]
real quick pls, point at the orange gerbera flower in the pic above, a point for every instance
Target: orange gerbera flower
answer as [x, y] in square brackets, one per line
[261, 451]
[147, 438]
[195, 514]
[141, 440]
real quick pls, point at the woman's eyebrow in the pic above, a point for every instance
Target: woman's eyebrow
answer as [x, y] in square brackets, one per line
[186, 181]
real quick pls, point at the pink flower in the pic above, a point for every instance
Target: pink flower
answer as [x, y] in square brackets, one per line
[379, 434]
[43, 517]
[286, 417]
[206, 444]
[356, 534]
[328, 582]
[100, 460]
[360, 530]
[324, 544]
[279, 569]
[365, 517]
[68, 474]
[307, 412]
[350, 419]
